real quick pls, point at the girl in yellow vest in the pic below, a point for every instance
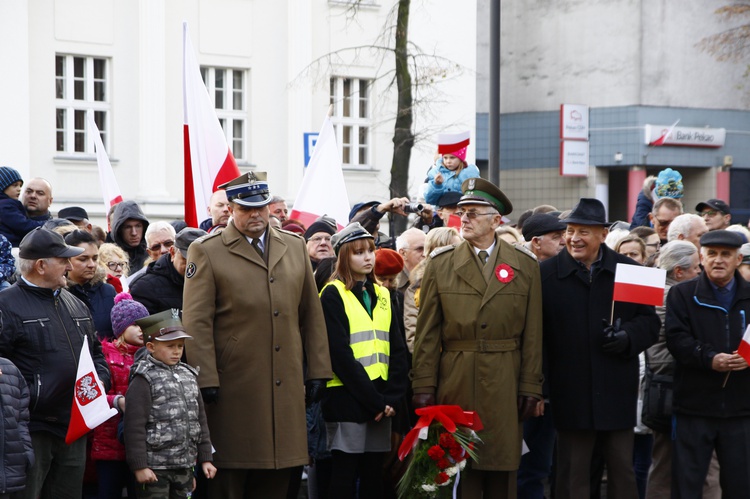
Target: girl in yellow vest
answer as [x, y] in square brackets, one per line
[368, 357]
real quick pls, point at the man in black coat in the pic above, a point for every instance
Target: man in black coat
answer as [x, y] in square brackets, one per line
[706, 319]
[160, 287]
[593, 364]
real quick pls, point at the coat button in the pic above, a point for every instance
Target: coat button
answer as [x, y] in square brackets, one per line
[484, 325]
[271, 279]
[277, 348]
[275, 313]
[278, 382]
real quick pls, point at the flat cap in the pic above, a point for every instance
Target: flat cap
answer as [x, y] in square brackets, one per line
[450, 198]
[350, 233]
[73, 213]
[44, 243]
[249, 189]
[164, 326]
[715, 204]
[726, 238]
[480, 191]
[540, 224]
[185, 237]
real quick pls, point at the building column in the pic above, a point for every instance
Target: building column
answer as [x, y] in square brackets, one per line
[722, 184]
[636, 177]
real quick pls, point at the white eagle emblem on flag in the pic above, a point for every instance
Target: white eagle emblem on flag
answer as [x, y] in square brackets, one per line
[87, 389]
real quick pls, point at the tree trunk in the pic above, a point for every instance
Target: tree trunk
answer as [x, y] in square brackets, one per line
[403, 137]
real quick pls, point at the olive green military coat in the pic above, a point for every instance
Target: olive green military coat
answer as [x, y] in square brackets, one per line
[253, 324]
[479, 342]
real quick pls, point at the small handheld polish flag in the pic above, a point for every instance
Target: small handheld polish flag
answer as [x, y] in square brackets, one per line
[744, 348]
[90, 406]
[636, 284]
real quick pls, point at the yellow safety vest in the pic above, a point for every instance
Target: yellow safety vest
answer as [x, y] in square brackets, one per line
[369, 338]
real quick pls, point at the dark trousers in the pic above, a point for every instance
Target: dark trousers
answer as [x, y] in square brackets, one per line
[642, 445]
[574, 452]
[58, 468]
[172, 484]
[695, 440]
[480, 484]
[536, 465]
[112, 477]
[347, 468]
[250, 484]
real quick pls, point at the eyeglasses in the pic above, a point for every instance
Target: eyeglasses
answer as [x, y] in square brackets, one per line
[663, 223]
[471, 215]
[321, 239]
[116, 265]
[709, 213]
[157, 246]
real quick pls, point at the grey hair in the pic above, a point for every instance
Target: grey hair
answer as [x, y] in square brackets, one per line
[161, 225]
[276, 199]
[676, 254]
[25, 266]
[682, 224]
[401, 241]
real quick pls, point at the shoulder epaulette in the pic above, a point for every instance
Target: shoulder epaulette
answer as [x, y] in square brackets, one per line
[442, 249]
[290, 233]
[201, 239]
[523, 249]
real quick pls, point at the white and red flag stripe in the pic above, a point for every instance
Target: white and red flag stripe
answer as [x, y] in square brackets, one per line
[110, 189]
[323, 191]
[664, 136]
[450, 142]
[744, 348]
[90, 406]
[637, 284]
[208, 160]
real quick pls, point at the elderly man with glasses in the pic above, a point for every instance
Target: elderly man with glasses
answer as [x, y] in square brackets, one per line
[318, 239]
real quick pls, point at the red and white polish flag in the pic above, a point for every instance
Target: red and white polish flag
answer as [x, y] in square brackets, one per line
[664, 136]
[90, 406]
[323, 191]
[637, 284]
[450, 142]
[744, 348]
[110, 189]
[208, 160]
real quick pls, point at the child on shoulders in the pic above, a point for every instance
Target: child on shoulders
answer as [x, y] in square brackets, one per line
[14, 221]
[450, 169]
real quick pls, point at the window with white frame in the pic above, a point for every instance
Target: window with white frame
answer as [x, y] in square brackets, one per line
[227, 89]
[350, 98]
[81, 87]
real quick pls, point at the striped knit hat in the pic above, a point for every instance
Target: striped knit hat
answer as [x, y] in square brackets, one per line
[8, 177]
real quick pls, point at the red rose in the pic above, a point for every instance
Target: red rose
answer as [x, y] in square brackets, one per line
[443, 463]
[447, 440]
[435, 452]
[457, 453]
[442, 478]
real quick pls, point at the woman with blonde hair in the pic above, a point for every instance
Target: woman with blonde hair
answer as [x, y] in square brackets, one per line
[114, 261]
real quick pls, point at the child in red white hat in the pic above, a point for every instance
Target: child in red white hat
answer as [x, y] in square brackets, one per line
[451, 168]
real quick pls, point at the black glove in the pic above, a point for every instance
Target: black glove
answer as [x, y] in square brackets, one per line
[526, 407]
[420, 400]
[210, 395]
[616, 341]
[314, 390]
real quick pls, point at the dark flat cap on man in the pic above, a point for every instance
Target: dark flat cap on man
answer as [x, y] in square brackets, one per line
[43, 243]
[588, 211]
[714, 204]
[480, 191]
[164, 326]
[249, 189]
[350, 233]
[321, 224]
[185, 237]
[541, 224]
[726, 238]
[450, 198]
[357, 207]
[388, 262]
[75, 213]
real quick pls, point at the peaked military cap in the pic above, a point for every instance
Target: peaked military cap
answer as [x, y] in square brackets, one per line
[164, 326]
[480, 191]
[249, 189]
[350, 233]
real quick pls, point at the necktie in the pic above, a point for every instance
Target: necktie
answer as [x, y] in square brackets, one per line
[367, 300]
[256, 245]
[483, 256]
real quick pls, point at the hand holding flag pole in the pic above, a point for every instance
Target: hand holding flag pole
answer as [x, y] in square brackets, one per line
[743, 351]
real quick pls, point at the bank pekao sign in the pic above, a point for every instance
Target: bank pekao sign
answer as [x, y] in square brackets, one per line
[574, 122]
[686, 136]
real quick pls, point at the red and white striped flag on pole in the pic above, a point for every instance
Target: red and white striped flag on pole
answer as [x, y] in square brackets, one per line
[637, 284]
[744, 348]
[110, 189]
[90, 406]
[323, 191]
[664, 136]
[208, 160]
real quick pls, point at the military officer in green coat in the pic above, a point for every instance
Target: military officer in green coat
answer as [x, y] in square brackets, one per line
[479, 337]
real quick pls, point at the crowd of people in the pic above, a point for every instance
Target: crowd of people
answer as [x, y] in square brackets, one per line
[255, 350]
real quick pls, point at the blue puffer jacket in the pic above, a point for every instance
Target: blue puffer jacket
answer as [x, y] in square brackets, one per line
[451, 181]
[14, 223]
[15, 440]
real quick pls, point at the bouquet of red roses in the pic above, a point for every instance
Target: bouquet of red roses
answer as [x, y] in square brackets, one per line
[441, 442]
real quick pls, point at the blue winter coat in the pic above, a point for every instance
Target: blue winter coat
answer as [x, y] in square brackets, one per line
[15, 440]
[14, 222]
[451, 181]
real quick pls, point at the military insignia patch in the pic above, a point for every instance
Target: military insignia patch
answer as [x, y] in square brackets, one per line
[190, 271]
[472, 183]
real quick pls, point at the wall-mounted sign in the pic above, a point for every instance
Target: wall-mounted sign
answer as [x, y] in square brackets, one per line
[309, 138]
[574, 158]
[685, 136]
[574, 122]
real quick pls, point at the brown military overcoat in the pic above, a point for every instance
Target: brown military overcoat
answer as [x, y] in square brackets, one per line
[253, 324]
[479, 342]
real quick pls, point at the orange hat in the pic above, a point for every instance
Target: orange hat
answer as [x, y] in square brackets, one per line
[388, 262]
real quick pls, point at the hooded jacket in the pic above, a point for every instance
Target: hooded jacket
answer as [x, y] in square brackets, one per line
[160, 287]
[124, 211]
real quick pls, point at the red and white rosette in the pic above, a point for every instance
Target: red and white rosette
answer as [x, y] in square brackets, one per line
[504, 273]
